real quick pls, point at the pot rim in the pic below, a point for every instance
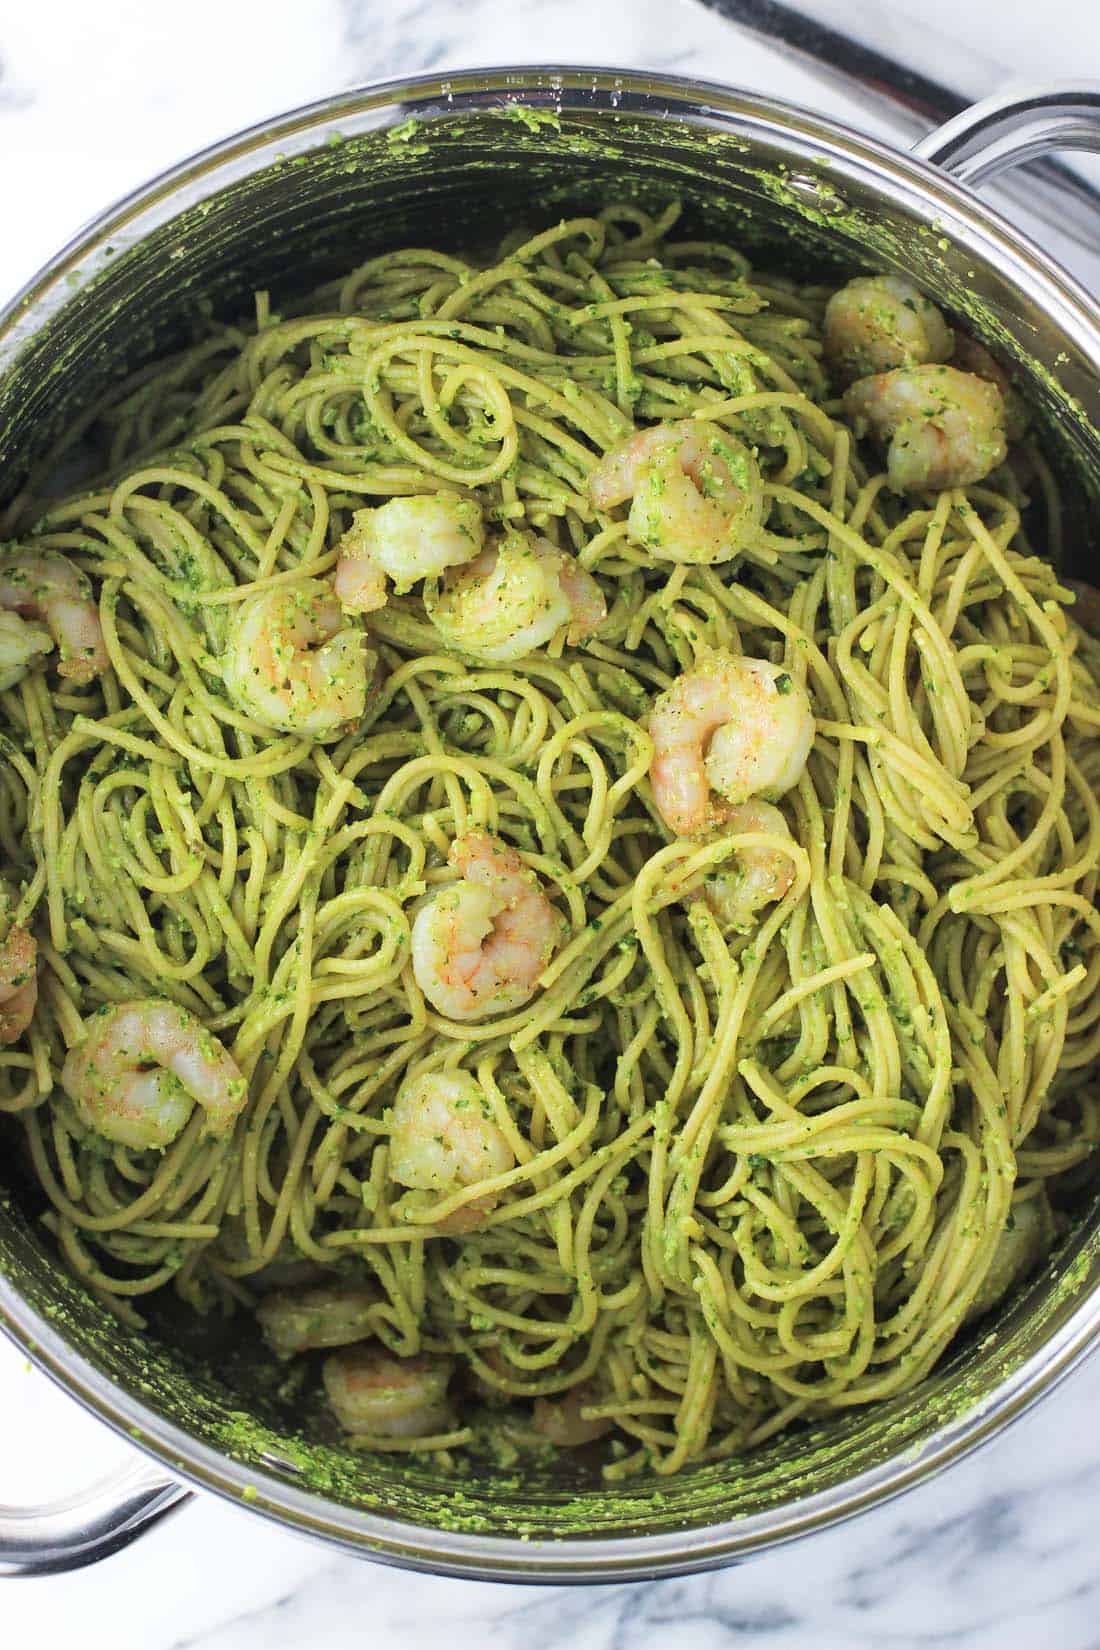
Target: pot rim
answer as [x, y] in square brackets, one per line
[808, 137]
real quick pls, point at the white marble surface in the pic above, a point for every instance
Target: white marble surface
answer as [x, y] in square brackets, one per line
[997, 1555]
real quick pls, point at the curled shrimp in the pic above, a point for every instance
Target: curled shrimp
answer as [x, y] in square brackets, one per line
[583, 596]
[297, 664]
[47, 587]
[1086, 605]
[301, 1320]
[970, 356]
[732, 726]
[373, 1392]
[759, 874]
[561, 1420]
[443, 1137]
[21, 642]
[287, 1270]
[1020, 1249]
[18, 982]
[143, 1067]
[944, 428]
[515, 597]
[696, 492]
[405, 540]
[480, 944]
[878, 322]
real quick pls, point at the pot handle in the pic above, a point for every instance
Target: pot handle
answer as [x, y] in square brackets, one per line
[89, 1525]
[1005, 131]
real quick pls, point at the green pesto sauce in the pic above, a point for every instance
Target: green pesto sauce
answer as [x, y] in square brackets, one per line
[534, 119]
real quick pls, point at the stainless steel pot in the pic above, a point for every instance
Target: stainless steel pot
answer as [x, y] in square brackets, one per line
[310, 193]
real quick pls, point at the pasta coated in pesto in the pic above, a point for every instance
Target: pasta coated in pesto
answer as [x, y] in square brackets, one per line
[650, 1082]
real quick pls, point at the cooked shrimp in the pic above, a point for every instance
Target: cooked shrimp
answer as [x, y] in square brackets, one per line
[405, 540]
[585, 599]
[300, 1320]
[878, 322]
[759, 875]
[515, 597]
[970, 356]
[18, 982]
[480, 944]
[288, 1269]
[443, 1138]
[696, 491]
[1086, 606]
[373, 1392]
[20, 643]
[1025, 1241]
[295, 663]
[944, 428]
[50, 588]
[561, 1421]
[738, 727]
[142, 1068]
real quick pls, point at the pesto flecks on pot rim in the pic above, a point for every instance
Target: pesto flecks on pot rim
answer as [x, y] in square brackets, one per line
[550, 836]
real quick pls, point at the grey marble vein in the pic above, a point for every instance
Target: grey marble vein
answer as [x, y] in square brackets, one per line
[13, 97]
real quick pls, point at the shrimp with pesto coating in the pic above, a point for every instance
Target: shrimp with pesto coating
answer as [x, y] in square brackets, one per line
[970, 356]
[18, 978]
[50, 603]
[941, 427]
[295, 663]
[142, 1068]
[514, 598]
[696, 492]
[731, 729]
[443, 1138]
[325, 1315]
[561, 1420]
[373, 1392]
[403, 541]
[758, 873]
[480, 944]
[879, 322]
[1027, 1238]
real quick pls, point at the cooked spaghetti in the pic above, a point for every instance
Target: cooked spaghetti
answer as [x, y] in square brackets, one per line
[608, 946]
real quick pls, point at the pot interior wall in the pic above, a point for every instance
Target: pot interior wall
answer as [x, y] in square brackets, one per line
[464, 176]
[218, 1388]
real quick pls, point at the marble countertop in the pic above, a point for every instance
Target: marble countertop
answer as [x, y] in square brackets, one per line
[998, 1554]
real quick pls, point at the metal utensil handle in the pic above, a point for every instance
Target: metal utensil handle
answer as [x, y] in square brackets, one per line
[89, 1525]
[1001, 132]
[914, 102]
